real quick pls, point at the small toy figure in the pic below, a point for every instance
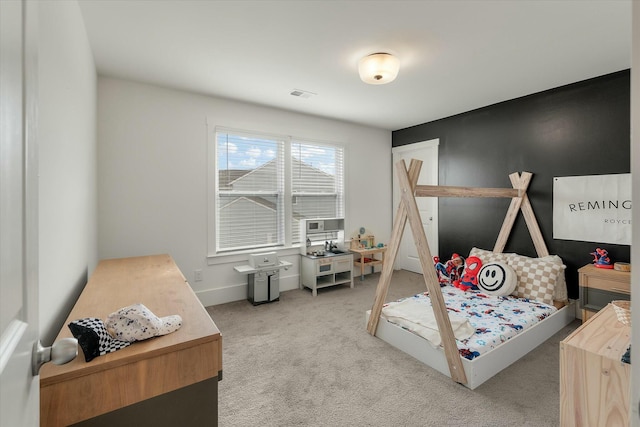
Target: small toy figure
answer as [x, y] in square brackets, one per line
[469, 279]
[441, 271]
[601, 258]
[451, 270]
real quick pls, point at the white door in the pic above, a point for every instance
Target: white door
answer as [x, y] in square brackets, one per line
[19, 389]
[426, 151]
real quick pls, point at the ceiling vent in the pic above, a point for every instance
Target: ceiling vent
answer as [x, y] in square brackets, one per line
[302, 93]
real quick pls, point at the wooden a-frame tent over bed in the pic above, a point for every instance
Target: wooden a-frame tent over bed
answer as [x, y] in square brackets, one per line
[470, 373]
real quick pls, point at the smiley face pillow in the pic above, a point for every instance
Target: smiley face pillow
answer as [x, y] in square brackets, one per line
[497, 278]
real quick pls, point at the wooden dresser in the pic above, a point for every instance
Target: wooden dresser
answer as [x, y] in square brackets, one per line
[163, 381]
[594, 382]
[598, 287]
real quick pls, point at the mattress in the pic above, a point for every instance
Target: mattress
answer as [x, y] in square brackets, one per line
[492, 319]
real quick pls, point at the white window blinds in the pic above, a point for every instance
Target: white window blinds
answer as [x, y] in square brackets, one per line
[265, 185]
[250, 192]
[317, 182]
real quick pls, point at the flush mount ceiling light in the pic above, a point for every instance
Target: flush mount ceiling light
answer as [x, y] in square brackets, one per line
[378, 68]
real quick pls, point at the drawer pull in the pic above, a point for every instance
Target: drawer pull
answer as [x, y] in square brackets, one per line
[624, 291]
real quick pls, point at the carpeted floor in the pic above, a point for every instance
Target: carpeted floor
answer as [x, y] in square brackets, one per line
[305, 361]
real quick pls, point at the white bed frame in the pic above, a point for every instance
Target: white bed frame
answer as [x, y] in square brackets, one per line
[446, 359]
[481, 368]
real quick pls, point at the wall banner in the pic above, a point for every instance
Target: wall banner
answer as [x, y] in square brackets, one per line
[595, 208]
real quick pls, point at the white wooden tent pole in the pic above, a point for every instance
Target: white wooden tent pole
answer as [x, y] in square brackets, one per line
[521, 186]
[431, 280]
[392, 251]
[448, 191]
[529, 216]
[408, 209]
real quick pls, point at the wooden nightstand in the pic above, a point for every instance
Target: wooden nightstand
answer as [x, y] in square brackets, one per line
[599, 286]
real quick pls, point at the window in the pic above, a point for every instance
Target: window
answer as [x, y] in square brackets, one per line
[316, 183]
[264, 186]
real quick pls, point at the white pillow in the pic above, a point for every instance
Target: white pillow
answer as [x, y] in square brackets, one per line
[497, 278]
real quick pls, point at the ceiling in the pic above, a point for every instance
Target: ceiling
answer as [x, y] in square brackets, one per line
[455, 56]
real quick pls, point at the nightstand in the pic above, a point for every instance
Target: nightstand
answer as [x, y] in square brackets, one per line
[600, 286]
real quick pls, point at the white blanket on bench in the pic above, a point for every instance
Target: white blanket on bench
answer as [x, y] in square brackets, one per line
[419, 318]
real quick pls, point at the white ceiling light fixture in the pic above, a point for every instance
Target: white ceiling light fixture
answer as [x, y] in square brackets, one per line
[378, 68]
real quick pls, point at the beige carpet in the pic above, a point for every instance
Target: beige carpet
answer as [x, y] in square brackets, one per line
[305, 361]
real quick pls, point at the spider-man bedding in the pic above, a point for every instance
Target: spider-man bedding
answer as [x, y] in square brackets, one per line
[493, 320]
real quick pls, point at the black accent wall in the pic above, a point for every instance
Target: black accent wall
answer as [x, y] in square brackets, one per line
[578, 129]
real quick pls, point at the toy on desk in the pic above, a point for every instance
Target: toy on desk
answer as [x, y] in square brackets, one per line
[469, 279]
[363, 242]
[451, 270]
[601, 258]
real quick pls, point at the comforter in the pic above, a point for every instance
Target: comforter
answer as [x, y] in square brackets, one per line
[492, 320]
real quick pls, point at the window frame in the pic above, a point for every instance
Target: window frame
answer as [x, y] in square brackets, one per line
[213, 181]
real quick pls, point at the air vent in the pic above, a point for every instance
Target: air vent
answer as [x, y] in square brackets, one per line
[302, 93]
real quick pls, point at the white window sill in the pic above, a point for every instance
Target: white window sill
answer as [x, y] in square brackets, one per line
[243, 255]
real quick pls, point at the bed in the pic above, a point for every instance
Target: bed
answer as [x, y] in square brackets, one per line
[540, 287]
[504, 328]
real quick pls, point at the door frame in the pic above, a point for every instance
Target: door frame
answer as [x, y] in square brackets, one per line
[20, 389]
[432, 170]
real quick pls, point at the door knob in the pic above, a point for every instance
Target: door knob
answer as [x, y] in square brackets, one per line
[61, 352]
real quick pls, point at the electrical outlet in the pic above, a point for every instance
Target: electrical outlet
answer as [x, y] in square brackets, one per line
[197, 275]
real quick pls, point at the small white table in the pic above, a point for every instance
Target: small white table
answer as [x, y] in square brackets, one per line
[248, 269]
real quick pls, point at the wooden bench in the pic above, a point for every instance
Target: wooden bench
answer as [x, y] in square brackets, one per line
[162, 381]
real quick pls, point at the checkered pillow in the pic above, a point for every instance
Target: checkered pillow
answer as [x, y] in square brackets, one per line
[488, 256]
[94, 338]
[560, 293]
[537, 277]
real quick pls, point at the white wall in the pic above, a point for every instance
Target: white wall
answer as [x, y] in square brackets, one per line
[67, 162]
[152, 177]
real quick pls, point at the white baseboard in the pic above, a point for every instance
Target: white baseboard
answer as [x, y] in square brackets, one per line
[239, 292]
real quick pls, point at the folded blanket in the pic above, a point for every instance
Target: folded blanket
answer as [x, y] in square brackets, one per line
[419, 318]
